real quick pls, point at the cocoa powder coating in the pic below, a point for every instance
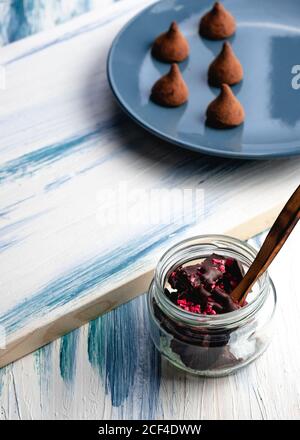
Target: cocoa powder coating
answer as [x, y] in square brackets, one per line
[217, 24]
[171, 46]
[226, 68]
[170, 90]
[225, 111]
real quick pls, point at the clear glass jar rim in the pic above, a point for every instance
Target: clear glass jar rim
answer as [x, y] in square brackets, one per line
[210, 320]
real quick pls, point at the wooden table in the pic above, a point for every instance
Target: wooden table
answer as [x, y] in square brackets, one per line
[109, 369]
[62, 139]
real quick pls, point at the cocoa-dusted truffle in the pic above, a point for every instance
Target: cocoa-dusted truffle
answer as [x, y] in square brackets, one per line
[170, 90]
[171, 46]
[225, 111]
[217, 23]
[226, 68]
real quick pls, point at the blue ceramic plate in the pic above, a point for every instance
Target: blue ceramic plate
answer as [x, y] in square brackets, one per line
[267, 42]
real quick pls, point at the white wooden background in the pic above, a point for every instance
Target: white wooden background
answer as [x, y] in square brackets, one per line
[63, 140]
[103, 369]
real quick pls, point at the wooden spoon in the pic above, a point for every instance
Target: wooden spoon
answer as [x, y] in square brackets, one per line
[281, 229]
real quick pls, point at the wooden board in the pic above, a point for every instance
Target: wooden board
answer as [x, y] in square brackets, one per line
[64, 140]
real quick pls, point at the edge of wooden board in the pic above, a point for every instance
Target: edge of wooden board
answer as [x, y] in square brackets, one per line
[50, 330]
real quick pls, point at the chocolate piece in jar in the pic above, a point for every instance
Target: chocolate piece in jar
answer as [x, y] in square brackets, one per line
[203, 288]
[198, 357]
[198, 349]
[206, 285]
[171, 46]
[217, 24]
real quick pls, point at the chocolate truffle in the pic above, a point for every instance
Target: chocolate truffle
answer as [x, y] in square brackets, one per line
[170, 90]
[225, 111]
[217, 23]
[171, 46]
[225, 69]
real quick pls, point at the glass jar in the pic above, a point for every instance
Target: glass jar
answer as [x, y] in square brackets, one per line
[210, 345]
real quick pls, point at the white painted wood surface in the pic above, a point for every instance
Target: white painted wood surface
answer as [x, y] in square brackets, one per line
[63, 139]
[42, 386]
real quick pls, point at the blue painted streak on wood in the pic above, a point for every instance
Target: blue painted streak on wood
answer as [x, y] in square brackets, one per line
[56, 183]
[27, 17]
[85, 277]
[3, 372]
[16, 225]
[6, 210]
[113, 349]
[119, 347]
[8, 230]
[72, 34]
[44, 368]
[67, 356]
[33, 161]
[4, 245]
[18, 26]
[149, 364]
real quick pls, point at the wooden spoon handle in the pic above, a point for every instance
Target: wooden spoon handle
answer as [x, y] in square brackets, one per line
[281, 229]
